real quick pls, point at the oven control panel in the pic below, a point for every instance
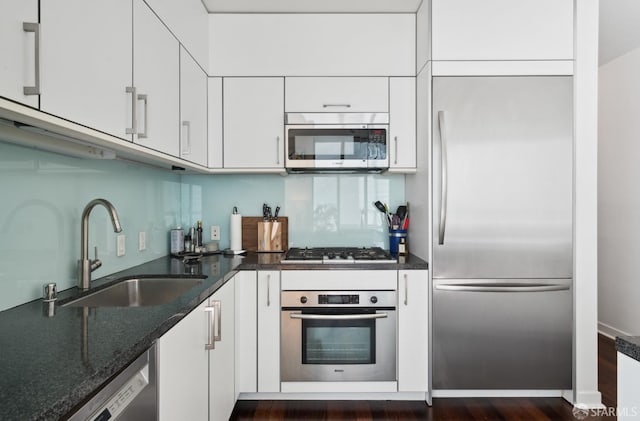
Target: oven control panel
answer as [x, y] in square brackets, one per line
[300, 299]
[338, 299]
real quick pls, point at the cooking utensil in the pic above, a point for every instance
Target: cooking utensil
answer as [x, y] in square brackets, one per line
[401, 212]
[384, 209]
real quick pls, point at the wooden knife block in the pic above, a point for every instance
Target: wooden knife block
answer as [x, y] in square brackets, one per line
[269, 236]
[253, 234]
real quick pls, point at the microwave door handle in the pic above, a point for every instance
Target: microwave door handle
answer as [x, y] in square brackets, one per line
[338, 316]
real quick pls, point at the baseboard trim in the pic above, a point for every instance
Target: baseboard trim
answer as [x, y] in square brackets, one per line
[610, 331]
[589, 400]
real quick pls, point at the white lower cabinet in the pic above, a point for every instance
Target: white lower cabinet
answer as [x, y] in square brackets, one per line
[183, 369]
[246, 332]
[413, 337]
[196, 362]
[628, 388]
[268, 331]
[222, 395]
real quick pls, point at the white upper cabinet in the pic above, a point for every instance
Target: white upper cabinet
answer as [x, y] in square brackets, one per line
[86, 63]
[193, 110]
[18, 21]
[189, 22]
[402, 122]
[156, 79]
[214, 116]
[336, 94]
[502, 30]
[312, 44]
[253, 122]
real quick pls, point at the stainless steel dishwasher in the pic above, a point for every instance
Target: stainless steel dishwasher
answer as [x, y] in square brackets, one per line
[502, 334]
[131, 395]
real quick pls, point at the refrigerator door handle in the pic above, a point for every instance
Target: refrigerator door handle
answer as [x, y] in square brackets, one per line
[502, 288]
[443, 177]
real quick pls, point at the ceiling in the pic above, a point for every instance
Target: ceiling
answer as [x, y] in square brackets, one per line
[312, 6]
[619, 19]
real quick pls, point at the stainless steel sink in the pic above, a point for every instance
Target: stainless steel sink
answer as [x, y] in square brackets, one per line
[137, 292]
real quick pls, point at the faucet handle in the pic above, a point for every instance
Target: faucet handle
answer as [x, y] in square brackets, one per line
[96, 263]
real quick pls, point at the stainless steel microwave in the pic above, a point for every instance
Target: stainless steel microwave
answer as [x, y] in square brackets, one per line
[332, 142]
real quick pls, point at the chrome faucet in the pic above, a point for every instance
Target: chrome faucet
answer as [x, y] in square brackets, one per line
[86, 265]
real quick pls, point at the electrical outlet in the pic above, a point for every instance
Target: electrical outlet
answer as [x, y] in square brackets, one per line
[142, 241]
[120, 247]
[215, 233]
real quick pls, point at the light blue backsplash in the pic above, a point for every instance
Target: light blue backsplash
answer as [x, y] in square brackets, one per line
[43, 195]
[323, 210]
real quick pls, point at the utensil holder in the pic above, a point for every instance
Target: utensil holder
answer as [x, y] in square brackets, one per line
[394, 239]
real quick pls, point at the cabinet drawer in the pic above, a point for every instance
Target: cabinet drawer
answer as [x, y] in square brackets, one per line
[337, 94]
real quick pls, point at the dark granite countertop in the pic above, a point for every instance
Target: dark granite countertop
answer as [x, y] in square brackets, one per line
[51, 365]
[271, 261]
[629, 346]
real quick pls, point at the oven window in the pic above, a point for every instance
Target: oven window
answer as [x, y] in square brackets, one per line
[338, 341]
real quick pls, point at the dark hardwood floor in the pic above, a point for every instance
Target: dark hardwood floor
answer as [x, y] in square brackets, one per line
[454, 409]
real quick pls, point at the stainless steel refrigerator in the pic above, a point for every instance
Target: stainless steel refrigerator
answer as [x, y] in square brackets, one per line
[502, 232]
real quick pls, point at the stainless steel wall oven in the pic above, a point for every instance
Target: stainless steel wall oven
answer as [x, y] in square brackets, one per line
[338, 336]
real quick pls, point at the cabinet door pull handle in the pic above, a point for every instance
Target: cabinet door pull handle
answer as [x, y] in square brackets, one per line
[395, 159]
[278, 150]
[406, 289]
[336, 105]
[217, 304]
[144, 134]
[134, 123]
[212, 328]
[268, 290]
[186, 149]
[35, 28]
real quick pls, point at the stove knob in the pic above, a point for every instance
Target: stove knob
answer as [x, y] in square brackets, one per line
[303, 299]
[373, 299]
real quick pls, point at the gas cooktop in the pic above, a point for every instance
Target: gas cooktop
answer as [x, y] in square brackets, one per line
[337, 255]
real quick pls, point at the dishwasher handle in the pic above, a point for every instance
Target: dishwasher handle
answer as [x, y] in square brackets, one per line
[503, 288]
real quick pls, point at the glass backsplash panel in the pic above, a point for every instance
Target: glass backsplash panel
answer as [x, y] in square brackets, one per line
[43, 195]
[323, 209]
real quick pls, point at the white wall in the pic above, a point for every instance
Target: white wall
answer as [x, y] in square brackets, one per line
[619, 195]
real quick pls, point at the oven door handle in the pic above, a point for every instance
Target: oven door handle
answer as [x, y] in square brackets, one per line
[338, 316]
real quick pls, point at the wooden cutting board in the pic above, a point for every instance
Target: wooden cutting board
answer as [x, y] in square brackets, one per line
[250, 232]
